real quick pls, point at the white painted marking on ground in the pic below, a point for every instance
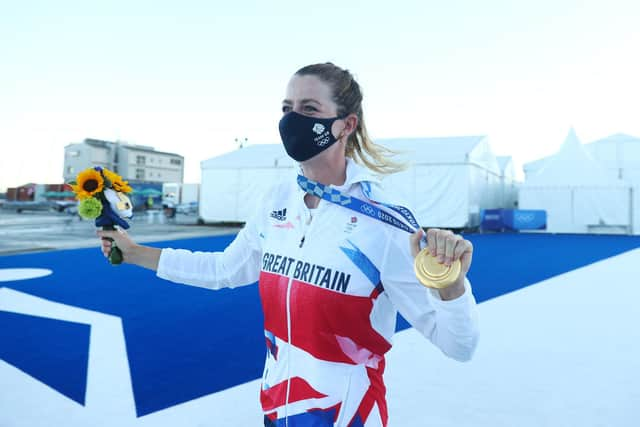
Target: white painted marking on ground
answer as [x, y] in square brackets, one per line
[12, 274]
[109, 399]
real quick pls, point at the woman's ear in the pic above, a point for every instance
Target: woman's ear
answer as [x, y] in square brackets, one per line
[350, 125]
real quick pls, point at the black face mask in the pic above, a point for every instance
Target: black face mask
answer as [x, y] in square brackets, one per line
[304, 137]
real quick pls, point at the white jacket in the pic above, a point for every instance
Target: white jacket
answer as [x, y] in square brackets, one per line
[330, 285]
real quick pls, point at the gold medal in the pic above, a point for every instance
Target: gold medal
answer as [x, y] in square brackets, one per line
[432, 274]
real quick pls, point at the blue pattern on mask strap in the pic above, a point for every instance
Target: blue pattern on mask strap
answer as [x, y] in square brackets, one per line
[362, 262]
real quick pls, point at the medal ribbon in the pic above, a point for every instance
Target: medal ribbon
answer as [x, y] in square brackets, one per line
[369, 209]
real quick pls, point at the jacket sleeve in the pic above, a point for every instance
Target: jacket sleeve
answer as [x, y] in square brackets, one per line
[237, 265]
[451, 325]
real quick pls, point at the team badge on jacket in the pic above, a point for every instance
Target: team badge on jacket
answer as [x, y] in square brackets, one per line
[351, 225]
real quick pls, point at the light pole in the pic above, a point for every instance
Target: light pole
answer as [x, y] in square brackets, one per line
[241, 142]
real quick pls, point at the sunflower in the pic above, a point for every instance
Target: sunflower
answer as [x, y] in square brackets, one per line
[88, 183]
[116, 181]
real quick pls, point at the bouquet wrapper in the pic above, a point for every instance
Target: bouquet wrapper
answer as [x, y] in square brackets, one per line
[108, 220]
[115, 254]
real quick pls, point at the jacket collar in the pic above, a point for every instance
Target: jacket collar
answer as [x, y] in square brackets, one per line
[358, 173]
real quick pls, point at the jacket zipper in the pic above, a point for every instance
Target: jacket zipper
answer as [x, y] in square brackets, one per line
[306, 225]
[288, 308]
[307, 222]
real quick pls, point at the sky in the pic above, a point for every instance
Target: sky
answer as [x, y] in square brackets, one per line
[192, 76]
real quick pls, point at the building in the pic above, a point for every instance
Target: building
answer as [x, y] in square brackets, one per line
[135, 163]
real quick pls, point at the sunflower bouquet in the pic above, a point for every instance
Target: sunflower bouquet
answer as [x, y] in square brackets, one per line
[102, 196]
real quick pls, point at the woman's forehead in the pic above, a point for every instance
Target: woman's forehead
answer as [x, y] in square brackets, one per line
[308, 87]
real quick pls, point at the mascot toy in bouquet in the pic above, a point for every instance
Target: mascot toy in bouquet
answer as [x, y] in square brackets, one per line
[103, 197]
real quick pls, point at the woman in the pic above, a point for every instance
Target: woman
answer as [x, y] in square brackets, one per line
[331, 280]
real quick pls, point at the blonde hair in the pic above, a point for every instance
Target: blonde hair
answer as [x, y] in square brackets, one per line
[348, 97]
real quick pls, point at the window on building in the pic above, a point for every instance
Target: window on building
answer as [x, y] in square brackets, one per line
[176, 161]
[140, 160]
[151, 159]
[69, 169]
[73, 153]
[139, 173]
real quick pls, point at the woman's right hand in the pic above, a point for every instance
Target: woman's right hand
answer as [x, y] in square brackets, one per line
[122, 241]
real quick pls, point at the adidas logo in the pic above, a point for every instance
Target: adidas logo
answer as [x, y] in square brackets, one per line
[280, 215]
[318, 128]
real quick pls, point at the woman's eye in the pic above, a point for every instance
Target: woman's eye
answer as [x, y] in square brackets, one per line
[286, 108]
[309, 108]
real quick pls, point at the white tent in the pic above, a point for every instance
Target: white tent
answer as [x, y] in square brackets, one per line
[532, 168]
[577, 194]
[233, 181]
[619, 155]
[450, 179]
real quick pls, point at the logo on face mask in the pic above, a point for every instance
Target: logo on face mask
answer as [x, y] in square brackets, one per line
[322, 141]
[323, 135]
[318, 128]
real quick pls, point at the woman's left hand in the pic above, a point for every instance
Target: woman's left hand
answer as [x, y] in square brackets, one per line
[447, 247]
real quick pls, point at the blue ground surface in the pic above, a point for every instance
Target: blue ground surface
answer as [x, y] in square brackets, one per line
[53, 351]
[185, 342]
